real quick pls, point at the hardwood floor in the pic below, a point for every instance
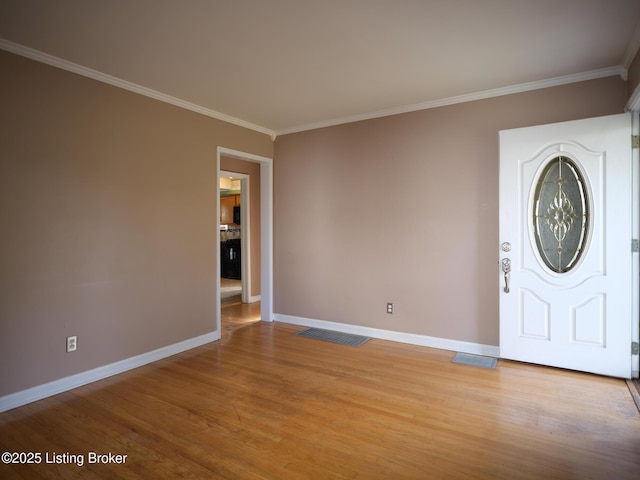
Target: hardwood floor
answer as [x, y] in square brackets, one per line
[265, 404]
[236, 316]
[230, 291]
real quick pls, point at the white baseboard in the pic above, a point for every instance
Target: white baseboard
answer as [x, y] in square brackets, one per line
[254, 299]
[411, 338]
[39, 392]
[33, 394]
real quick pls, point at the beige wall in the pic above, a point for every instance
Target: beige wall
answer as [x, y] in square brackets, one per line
[107, 207]
[253, 170]
[404, 209]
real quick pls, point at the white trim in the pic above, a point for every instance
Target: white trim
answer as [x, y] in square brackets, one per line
[33, 394]
[470, 97]
[245, 237]
[496, 92]
[132, 87]
[218, 275]
[635, 212]
[266, 230]
[410, 338]
[633, 104]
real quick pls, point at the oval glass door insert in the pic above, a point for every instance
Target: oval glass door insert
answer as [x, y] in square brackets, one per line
[561, 214]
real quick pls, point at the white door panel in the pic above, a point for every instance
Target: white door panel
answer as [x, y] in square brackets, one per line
[565, 211]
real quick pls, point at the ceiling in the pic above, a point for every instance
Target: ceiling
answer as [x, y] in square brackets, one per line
[280, 66]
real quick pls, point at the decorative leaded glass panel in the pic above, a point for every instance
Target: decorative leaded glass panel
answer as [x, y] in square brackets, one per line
[561, 214]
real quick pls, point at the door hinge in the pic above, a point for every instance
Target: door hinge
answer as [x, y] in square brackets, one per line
[635, 141]
[635, 245]
[635, 348]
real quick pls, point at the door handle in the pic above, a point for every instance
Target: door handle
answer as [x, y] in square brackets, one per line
[506, 269]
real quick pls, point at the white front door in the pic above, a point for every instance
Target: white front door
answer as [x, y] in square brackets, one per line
[565, 243]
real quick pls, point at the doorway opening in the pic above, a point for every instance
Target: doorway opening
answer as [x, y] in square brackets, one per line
[264, 244]
[235, 238]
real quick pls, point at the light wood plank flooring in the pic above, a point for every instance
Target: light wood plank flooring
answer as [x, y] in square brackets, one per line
[265, 404]
[230, 291]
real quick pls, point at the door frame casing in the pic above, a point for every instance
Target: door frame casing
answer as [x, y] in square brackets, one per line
[635, 225]
[266, 230]
[633, 106]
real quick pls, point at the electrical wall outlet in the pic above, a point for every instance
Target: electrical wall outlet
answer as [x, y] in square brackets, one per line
[389, 307]
[72, 343]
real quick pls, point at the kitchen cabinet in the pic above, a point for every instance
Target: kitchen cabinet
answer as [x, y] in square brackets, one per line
[226, 208]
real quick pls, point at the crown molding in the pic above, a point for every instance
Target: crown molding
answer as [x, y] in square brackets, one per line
[132, 87]
[496, 92]
[470, 97]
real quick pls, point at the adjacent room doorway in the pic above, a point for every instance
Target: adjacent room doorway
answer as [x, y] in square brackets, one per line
[266, 230]
[235, 237]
